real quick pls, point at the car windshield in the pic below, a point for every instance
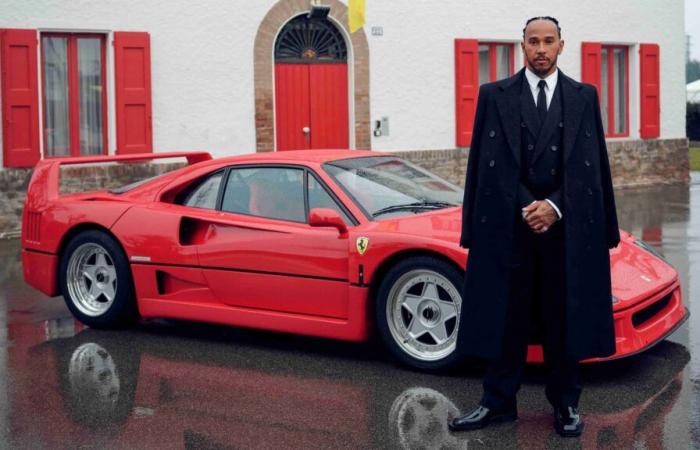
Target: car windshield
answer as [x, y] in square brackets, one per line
[387, 186]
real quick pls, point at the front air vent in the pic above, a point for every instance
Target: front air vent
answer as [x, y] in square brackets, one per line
[645, 314]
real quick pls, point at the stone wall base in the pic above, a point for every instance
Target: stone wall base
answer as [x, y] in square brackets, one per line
[633, 163]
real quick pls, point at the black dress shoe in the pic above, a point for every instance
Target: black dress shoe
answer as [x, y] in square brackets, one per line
[568, 422]
[481, 417]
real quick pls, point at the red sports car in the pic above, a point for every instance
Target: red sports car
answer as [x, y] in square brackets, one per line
[324, 243]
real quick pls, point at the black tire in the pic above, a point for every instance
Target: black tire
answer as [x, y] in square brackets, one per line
[401, 272]
[121, 310]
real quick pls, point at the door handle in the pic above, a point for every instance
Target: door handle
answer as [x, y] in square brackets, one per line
[306, 130]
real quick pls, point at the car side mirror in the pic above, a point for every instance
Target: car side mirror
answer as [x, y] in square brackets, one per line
[327, 217]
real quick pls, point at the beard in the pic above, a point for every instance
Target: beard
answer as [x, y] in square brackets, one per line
[542, 70]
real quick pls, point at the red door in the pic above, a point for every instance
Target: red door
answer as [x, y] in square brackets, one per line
[311, 106]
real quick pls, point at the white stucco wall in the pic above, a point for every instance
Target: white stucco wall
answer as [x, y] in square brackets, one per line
[202, 59]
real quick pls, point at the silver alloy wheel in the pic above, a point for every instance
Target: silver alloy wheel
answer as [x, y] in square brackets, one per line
[91, 279]
[422, 312]
[92, 372]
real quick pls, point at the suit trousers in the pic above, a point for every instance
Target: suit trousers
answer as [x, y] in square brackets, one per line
[536, 309]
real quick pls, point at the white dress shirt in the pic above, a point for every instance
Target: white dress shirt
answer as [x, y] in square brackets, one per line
[551, 80]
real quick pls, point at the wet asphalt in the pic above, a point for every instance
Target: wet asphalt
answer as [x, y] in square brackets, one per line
[170, 384]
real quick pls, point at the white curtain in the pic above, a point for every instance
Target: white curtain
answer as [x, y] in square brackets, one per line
[90, 92]
[484, 64]
[503, 61]
[56, 122]
[620, 91]
[604, 88]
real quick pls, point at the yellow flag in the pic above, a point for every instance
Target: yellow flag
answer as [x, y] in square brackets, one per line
[356, 14]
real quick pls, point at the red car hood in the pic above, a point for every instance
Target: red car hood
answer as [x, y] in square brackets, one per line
[635, 272]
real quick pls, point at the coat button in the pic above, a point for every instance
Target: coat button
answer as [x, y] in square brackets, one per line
[492, 163]
[587, 163]
[588, 133]
[523, 124]
[483, 219]
[492, 133]
[530, 146]
[554, 171]
[532, 171]
[554, 148]
[487, 191]
[561, 124]
[590, 191]
[590, 219]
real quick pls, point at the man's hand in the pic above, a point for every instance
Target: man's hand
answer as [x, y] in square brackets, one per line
[539, 216]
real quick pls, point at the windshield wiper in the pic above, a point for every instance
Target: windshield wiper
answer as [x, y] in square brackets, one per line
[413, 206]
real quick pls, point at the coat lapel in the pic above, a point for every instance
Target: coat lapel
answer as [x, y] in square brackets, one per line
[550, 124]
[573, 106]
[508, 104]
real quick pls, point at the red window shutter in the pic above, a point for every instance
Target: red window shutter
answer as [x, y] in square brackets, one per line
[132, 65]
[649, 84]
[20, 99]
[466, 87]
[590, 64]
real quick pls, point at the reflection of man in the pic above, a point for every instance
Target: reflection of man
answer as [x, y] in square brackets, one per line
[538, 218]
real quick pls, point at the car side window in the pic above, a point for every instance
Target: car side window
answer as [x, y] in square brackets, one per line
[203, 194]
[271, 192]
[319, 198]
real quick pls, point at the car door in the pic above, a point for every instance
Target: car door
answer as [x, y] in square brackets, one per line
[257, 250]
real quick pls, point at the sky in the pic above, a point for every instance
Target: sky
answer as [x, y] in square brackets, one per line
[692, 27]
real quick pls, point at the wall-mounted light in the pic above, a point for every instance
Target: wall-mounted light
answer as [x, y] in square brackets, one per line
[318, 11]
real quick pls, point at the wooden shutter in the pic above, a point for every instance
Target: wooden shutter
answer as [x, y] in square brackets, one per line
[590, 64]
[132, 65]
[466, 88]
[20, 99]
[649, 97]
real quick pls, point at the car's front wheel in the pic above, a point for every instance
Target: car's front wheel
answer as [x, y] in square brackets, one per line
[96, 281]
[417, 312]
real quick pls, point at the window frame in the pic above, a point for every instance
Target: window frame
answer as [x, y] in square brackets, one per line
[306, 173]
[73, 91]
[493, 72]
[609, 48]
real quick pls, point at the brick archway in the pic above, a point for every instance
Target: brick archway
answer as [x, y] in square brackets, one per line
[275, 18]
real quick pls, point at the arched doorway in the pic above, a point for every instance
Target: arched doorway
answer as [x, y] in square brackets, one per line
[311, 85]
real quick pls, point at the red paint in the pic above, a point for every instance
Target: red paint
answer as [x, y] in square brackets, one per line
[232, 267]
[20, 98]
[650, 87]
[590, 64]
[466, 88]
[132, 79]
[313, 96]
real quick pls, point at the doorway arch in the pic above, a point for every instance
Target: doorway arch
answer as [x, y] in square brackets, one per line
[358, 63]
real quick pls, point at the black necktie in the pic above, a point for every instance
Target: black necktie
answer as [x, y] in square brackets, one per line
[542, 101]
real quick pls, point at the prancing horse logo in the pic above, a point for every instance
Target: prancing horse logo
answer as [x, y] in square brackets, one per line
[362, 243]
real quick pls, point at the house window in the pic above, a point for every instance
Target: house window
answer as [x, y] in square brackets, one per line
[614, 90]
[74, 94]
[496, 61]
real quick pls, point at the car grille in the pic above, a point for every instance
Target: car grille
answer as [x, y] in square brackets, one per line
[644, 314]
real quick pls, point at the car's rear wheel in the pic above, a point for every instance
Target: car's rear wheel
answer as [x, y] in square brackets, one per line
[417, 312]
[96, 281]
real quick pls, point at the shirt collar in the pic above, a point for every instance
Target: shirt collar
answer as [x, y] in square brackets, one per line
[533, 79]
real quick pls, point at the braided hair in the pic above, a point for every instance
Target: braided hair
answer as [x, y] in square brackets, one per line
[550, 18]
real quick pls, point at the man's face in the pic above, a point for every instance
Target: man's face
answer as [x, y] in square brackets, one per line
[542, 46]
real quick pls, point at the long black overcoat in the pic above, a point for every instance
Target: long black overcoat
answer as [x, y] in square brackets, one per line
[491, 208]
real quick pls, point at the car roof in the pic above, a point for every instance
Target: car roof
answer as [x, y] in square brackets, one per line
[308, 156]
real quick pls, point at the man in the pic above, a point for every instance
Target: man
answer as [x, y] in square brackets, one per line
[538, 219]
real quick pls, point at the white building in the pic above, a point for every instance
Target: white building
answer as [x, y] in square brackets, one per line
[234, 77]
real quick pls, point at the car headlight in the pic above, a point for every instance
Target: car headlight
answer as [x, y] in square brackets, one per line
[643, 245]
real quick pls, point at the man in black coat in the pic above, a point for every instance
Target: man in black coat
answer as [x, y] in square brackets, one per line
[538, 219]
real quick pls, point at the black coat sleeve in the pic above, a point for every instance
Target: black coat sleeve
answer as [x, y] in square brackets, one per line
[612, 230]
[470, 182]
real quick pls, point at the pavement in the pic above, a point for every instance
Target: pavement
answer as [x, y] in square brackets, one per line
[171, 384]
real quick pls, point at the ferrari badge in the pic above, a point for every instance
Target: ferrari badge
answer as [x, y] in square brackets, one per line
[362, 243]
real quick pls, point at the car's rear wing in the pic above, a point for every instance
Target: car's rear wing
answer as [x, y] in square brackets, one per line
[45, 183]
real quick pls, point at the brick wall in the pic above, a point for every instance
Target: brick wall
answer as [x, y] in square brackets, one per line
[633, 163]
